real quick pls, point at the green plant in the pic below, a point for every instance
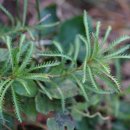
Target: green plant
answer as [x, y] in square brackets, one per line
[52, 76]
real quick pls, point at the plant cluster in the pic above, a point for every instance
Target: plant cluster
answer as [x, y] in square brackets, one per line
[50, 78]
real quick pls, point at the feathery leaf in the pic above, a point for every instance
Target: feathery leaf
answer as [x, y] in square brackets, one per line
[16, 105]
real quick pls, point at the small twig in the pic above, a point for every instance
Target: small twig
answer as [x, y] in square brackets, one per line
[93, 115]
[44, 18]
[6, 127]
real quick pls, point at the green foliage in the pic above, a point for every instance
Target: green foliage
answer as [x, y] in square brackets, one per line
[45, 105]
[20, 75]
[52, 77]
